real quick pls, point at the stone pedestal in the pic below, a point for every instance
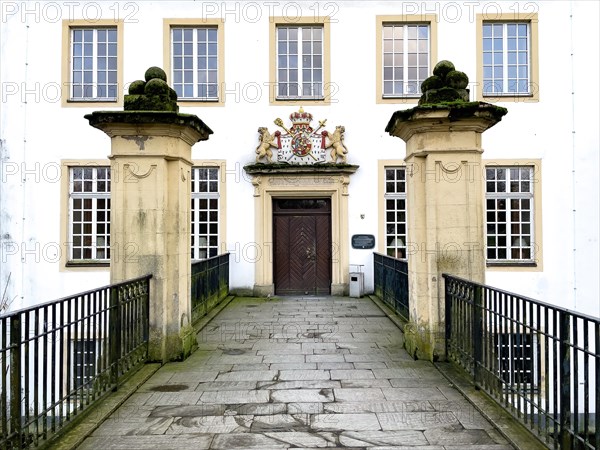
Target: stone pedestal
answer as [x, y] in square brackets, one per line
[150, 216]
[445, 200]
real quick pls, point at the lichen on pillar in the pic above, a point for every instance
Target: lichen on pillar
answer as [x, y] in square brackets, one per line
[153, 94]
[445, 85]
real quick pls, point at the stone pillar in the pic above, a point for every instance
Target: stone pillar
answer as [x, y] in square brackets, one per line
[150, 216]
[445, 200]
[151, 159]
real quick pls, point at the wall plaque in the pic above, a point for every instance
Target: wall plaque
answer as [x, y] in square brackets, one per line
[363, 241]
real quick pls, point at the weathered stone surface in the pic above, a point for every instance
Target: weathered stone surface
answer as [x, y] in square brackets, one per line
[456, 435]
[354, 374]
[303, 395]
[281, 422]
[165, 442]
[142, 426]
[304, 439]
[228, 397]
[384, 400]
[421, 420]
[249, 375]
[370, 438]
[405, 394]
[364, 394]
[353, 422]
[246, 441]
[302, 375]
[210, 424]
[227, 386]
[375, 407]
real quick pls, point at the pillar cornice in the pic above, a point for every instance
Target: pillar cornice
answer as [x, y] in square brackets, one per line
[189, 128]
[474, 117]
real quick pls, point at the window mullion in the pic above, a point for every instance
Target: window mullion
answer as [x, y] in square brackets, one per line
[504, 58]
[404, 59]
[95, 214]
[529, 84]
[509, 223]
[300, 86]
[195, 67]
[72, 58]
[95, 63]
[94, 242]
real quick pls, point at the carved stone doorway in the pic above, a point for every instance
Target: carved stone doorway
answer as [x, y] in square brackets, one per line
[302, 246]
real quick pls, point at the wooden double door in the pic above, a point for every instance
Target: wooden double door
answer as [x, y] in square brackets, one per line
[302, 246]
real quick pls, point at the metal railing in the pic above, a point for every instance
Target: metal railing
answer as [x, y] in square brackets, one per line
[210, 284]
[539, 361]
[58, 358]
[391, 282]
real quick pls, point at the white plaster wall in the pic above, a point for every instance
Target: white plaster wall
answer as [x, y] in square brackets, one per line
[39, 133]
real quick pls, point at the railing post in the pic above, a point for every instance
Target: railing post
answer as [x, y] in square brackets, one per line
[564, 369]
[15, 379]
[448, 314]
[477, 332]
[115, 336]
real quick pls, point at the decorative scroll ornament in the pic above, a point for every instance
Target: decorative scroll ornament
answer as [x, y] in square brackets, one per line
[301, 144]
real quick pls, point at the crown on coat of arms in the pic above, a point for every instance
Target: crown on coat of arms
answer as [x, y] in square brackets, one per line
[301, 117]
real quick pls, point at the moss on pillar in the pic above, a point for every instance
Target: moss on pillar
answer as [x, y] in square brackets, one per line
[422, 342]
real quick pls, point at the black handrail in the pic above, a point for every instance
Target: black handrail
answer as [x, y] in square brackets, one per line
[539, 361]
[391, 283]
[210, 284]
[60, 357]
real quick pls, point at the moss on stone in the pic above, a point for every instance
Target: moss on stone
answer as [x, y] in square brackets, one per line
[444, 94]
[445, 85]
[420, 342]
[149, 103]
[433, 82]
[155, 72]
[154, 94]
[457, 79]
[156, 86]
[442, 68]
[137, 87]
[457, 110]
[188, 340]
[99, 119]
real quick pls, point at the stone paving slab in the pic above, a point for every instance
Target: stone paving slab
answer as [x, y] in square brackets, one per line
[302, 373]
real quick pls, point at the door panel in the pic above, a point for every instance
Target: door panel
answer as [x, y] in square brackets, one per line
[302, 250]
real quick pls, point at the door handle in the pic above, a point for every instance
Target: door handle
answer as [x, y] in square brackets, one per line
[311, 253]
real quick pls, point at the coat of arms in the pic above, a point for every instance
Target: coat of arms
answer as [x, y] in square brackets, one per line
[301, 144]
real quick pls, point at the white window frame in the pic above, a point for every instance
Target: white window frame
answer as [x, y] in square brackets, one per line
[94, 83]
[407, 85]
[514, 241]
[94, 195]
[205, 244]
[212, 87]
[314, 85]
[396, 247]
[505, 53]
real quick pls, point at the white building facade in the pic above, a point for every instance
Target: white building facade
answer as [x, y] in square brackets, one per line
[241, 65]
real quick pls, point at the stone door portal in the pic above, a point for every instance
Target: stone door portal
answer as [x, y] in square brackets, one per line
[302, 246]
